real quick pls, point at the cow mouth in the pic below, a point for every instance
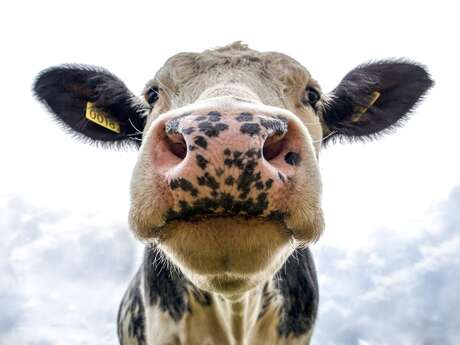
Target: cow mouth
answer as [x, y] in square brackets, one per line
[209, 246]
[194, 217]
[276, 217]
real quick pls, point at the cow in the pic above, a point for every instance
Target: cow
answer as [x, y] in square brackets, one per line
[226, 190]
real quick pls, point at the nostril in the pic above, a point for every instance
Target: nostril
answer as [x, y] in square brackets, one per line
[176, 144]
[273, 147]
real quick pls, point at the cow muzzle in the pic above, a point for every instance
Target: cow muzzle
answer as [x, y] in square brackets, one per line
[226, 163]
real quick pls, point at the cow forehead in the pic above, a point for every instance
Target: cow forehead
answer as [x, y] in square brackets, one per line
[264, 72]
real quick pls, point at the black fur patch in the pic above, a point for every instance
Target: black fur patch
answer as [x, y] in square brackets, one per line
[267, 298]
[132, 307]
[168, 288]
[298, 285]
[164, 287]
[202, 297]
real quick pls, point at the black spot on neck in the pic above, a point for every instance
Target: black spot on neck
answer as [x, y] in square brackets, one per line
[132, 311]
[298, 286]
[202, 297]
[164, 287]
[168, 288]
[267, 299]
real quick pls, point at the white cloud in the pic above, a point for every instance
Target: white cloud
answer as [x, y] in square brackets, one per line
[62, 276]
[65, 276]
[398, 291]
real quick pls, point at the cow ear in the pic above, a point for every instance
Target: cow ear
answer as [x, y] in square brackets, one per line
[92, 103]
[373, 98]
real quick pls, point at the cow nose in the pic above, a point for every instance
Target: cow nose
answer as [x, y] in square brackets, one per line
[226, 164]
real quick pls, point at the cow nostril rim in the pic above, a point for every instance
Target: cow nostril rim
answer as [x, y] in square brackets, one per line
[176, 144]
[273, 147]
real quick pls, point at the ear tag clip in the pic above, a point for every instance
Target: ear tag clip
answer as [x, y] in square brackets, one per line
[97, 116]
[374, 97]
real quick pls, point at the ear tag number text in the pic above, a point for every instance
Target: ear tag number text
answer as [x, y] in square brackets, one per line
[97, 116]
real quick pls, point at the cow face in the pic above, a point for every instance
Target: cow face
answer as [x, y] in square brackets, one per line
[227, 181]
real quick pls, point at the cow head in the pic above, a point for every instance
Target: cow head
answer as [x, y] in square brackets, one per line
[227, 182]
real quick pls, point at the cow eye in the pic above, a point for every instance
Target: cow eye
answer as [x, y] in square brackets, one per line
[151, 96]
[311, 96]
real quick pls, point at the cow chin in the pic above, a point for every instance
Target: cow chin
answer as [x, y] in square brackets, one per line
[226, 255]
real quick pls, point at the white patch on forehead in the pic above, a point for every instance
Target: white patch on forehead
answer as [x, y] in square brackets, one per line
[239, 91]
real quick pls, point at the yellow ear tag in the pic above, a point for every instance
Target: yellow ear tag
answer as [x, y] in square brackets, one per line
[97, 116]
[357, 116]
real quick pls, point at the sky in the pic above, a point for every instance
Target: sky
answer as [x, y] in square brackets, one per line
[387, 262]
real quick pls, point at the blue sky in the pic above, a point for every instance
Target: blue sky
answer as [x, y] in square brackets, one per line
[388, 260]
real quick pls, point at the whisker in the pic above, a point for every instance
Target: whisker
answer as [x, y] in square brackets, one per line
[327, 136]
[138, 131]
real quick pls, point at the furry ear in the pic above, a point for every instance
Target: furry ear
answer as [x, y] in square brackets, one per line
[374, 97]
[92, 103]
